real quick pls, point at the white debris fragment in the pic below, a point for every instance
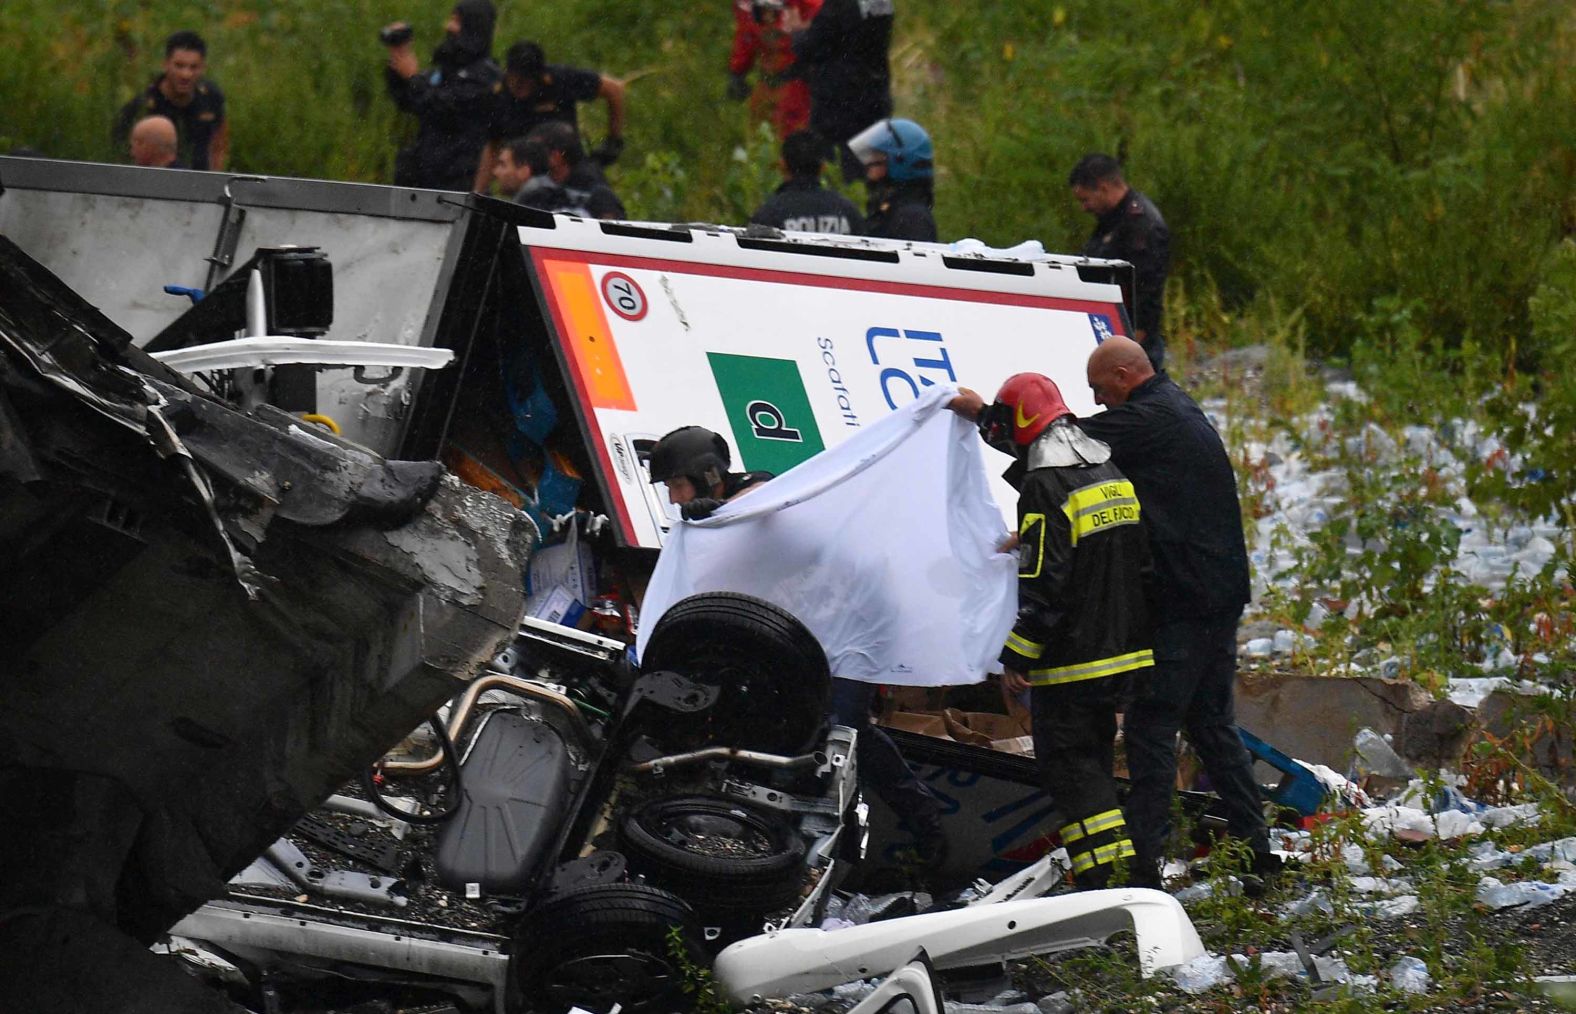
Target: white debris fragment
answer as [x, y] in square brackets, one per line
[953, 1007]
[1315, 901]
[1410, 975]
[1196, 892]
[1391, 908]
[1393, 819]
[854, 992]
[1202, 974]
[1523, 814]
[1527, 893]
[1208, 971]
[1562, 850]
[1380, 885]
[1488, 856]
[1055, 1003]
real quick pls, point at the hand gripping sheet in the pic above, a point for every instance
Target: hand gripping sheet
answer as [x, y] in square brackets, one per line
[884, 546]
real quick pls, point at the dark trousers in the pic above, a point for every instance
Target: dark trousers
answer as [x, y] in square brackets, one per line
[1074, 737]
[1190, 689]
[1074, 732]
[882, 768]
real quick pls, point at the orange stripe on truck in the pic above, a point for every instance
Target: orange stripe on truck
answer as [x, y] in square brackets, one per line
[589, 339]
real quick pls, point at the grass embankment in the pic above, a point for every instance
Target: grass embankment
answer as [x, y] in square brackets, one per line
[1325, 167]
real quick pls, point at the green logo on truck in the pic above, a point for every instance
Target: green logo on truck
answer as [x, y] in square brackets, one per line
[768, 410]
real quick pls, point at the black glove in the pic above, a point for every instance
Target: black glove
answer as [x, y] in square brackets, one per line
[700, 507]
[738, 87]
[608, 152]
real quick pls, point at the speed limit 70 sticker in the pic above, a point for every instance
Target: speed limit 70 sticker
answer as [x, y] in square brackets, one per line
[623, 296]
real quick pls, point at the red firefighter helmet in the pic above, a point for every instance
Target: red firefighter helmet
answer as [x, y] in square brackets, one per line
[1025, 405]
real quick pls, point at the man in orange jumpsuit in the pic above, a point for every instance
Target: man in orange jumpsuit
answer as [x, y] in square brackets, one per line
[759, 38]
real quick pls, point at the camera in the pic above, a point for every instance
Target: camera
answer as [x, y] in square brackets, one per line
[396, 34]
[766, 11]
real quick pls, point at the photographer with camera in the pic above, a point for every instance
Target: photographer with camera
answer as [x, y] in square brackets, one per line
[760, 39]
[451, 100]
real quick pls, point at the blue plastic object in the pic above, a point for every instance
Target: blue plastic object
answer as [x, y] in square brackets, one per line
[195, 295]
[1298, 788]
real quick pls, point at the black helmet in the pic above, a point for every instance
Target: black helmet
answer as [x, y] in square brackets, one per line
[694, 452]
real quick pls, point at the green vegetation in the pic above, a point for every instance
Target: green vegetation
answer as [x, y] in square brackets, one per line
[1325, 167]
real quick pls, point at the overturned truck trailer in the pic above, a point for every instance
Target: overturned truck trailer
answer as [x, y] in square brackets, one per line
[578, 343]
[345, 592]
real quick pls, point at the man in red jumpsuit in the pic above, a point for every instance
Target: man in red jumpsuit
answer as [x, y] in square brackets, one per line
[759, 38]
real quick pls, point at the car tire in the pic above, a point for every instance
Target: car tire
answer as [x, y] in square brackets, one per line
[773, 672]
[673, 843]
[594, 947]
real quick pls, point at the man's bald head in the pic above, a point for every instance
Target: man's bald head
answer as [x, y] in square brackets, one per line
[153, 141]
[1116, 366]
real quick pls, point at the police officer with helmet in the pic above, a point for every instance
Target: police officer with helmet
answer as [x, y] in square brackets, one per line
[899, 163]
[693, 462]
[1083, 620]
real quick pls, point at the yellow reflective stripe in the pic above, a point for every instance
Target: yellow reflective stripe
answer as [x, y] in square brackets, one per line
[1031, 546]
[1025, 647]
[1100, 505]
[1093, 670]
[1092, 825]
[1083, 862]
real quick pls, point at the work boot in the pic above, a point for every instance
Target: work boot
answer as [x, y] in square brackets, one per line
[1144, 873]
[1096, 879]
[1262, 874]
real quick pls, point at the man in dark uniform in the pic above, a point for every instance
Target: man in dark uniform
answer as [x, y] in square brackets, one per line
[842, 52]
[536, 92]
[899, 168]
[1163, 442]
[693, 462]
[1128, 227]
[184, 95]
[579, 176]
[802, 203]
[452, 100]
[1083, 615]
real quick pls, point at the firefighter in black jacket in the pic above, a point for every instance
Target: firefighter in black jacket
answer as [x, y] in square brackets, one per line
[1083, 623]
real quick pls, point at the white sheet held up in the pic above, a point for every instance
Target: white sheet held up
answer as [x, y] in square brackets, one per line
[883, 546]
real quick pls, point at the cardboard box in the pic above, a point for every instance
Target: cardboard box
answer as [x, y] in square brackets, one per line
[975, 728]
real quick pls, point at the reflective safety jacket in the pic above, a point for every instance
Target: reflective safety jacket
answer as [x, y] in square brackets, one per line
[1083, 571]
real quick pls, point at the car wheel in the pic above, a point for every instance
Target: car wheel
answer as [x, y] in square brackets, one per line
[720, 855]
[596, 947]
[773, 672]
